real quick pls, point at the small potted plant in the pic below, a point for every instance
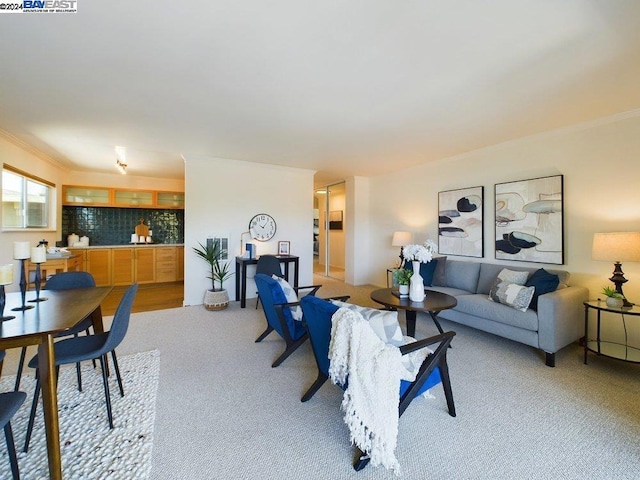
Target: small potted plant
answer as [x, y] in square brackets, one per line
[614, 299]
[212, 253]
[401, 277]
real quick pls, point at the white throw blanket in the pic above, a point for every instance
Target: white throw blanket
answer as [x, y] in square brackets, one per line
[374, 370]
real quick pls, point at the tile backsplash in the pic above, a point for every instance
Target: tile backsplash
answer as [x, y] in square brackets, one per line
[114, 226]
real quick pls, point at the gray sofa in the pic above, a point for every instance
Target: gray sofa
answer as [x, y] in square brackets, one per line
[559, 319]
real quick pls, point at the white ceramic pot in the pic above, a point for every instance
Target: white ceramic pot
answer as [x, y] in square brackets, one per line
[403, 289]
[614, 302]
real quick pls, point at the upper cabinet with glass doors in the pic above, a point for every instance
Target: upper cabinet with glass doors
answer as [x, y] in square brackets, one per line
[115, 197]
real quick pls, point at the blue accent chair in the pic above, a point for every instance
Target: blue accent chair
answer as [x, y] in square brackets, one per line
[434, 369]
[278, 314]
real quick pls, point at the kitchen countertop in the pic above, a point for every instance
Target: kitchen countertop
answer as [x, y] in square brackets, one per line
[95, 247]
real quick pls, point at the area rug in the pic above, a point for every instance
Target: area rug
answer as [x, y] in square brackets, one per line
[90, 450]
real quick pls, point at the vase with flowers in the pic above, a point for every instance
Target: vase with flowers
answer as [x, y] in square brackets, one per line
[417, 254]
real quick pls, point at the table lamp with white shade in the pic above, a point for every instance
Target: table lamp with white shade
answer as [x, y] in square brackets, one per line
[400, 239]
[617, 247]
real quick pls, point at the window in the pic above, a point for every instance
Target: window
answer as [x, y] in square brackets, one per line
[25, 200]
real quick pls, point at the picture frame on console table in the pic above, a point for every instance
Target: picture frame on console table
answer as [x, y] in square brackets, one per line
[284, 248]
[530, 220]
[461, 222]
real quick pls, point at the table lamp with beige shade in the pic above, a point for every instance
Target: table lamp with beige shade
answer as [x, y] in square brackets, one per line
[400, 239]
[617, 247]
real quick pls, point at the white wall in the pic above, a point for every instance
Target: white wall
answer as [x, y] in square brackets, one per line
[600, 162]
[221, 198]
[27, 161]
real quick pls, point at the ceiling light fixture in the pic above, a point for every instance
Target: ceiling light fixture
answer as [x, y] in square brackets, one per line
[121, 159]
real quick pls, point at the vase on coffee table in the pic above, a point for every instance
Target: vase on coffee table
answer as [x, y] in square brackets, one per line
[416, 284]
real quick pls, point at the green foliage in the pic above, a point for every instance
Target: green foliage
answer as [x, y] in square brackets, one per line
[212, 253]
[402, 276]
[611, 292]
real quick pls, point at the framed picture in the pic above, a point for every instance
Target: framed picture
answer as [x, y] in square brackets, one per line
[283, 248]
[335, 220]
[461, 222]
[530, 220]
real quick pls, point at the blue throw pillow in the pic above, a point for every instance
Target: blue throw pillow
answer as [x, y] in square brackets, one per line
[426, 271]
[544, 282]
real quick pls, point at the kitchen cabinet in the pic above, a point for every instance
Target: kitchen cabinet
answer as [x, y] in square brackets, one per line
[130, 265]
[122, 266]
[166, 264]
[180, 266]
[124, 198]
[145, 266]
[72, 195]
[133, 198]
[98, 263]
[170, 200]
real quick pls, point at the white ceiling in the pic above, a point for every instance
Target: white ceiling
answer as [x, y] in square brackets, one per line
[345, 87]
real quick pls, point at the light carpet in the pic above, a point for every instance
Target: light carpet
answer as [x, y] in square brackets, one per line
[90, 450]
[224, 413]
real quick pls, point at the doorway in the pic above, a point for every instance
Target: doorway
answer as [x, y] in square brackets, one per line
[329, 235]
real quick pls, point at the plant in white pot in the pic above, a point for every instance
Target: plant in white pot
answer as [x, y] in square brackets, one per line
[212, 253]
[401, 277]
[614, 298]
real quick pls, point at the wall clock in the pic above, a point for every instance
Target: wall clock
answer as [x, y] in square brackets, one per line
[262, 227]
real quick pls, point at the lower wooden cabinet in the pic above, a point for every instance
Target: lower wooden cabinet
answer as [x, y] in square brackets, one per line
[98, 263]
[126, 265]
[145, 265]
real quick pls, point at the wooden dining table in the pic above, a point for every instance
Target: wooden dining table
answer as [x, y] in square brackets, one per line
[61, 310]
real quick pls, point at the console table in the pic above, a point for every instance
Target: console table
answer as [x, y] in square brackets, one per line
[241, 274]
[619, 351]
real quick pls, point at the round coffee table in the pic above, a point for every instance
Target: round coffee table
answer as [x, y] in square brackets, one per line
[433, 303]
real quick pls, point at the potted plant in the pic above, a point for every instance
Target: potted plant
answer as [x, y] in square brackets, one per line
[401, 277]
[614, 298]
[212, 253]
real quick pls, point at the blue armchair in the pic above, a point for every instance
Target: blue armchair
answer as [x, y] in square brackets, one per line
[434, 369]
[277, 311]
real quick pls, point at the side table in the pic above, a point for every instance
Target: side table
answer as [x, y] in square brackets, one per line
[616, 350]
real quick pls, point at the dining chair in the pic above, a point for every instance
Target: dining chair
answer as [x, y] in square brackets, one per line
[268, 265]
[433, 370]
[90, 347]
[10, 402]
[64, 281]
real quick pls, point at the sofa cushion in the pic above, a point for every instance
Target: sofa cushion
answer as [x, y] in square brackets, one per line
[509, 289]
[439, 276]
[462, 275]
[543, 282]
[480, 306]
[488, 274]
[427, 271]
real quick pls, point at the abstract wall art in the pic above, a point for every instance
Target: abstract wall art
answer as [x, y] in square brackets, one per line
[530, 220]
[460, 222]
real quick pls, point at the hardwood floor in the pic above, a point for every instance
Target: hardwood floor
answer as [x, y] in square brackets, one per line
[156, 296]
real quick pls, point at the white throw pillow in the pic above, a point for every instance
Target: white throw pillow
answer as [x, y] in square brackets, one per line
[291, 296]
[383, 322]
